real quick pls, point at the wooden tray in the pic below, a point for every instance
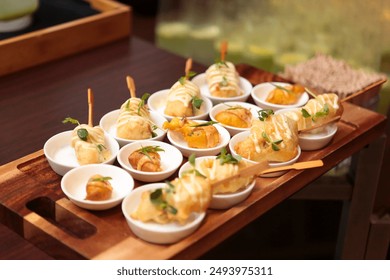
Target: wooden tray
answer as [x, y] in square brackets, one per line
[33, 205]
[34, 48]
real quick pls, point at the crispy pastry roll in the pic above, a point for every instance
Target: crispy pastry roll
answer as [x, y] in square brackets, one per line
[146, 159]
[236, 116]
[223, 80]
[98, 188]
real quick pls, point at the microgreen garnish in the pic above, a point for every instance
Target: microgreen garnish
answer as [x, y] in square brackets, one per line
[101, 179]
[220, 63]
[82, 133]
[150, 149]
[71, 120]
[224, 157]
[204, 124]
[144, 98]
[156, 197]
[196, 102]
[224, 82]
[101, 147]
[322, 113]
[191, 160]
[264, 114]
[274, 144]
[183, 79]
[282, 88]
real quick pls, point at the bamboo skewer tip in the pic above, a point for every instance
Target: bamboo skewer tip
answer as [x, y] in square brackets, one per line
[90, 107]
[223, 51]
[131, 86]
[188, 68]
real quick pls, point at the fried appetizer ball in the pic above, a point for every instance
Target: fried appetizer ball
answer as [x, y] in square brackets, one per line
[98, 188]
[146, 159]
[89, 144]
[176, 201]
[197, 135]
[223, 80]
[236, 116]
[183, 99]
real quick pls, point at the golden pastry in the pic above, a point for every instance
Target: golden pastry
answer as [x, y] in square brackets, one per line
[146, 159]
[236, 116]
[223, 80]
[99, 188]
[285, 95]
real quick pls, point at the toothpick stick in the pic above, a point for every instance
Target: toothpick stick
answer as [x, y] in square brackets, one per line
[188, 68]
[223, 50]
[131, 86]
[90, 107]
[310, 92]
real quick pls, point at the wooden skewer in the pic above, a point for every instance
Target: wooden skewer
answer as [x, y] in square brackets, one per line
[188, 68]
[334, 119]
[309, 91]
[90, 107]
[131, 86]
[297, 166]
[223, 50]
[252, 170]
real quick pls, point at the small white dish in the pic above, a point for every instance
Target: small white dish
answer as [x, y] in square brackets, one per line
[171, 159]
[158, 100]
[74, 184]
[317, 138]
[223, 106]
[177, 139]
[154, 232]
[61, 156]
[201, 82]
[260, 92]
[226, 200]
[242, 136]
[108, 123]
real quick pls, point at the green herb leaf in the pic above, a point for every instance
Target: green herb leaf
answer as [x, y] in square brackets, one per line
[144, 98]
[82, 133]
[156, 197]
[224, 157]
[101, 147]
[196, 102]
[220, 63]
[282, 88]
[275, 147]
[191, 159]
[305, 113]
[71, 120]
[101, 179]
[150, 149]
[204, 124]
[264, 114]
[265, 136]
[171, 209]
[224, 82]
[183, 79]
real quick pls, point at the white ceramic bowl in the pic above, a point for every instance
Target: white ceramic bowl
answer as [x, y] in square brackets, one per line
[242, 136]
[317, 138]
[108, 123]
[154, 232]
[223, 106]
[222, 201]
[171, 159]
[245, 85]
[74, 183]
[158, 100]
[260, 92]
[178, 141]
[61, 156]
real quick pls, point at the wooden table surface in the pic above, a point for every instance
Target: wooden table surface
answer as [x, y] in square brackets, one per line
[34, 102]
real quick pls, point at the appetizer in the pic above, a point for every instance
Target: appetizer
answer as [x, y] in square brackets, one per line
[316, 111]
[197, 135]
[222, 78]
[285, 95]
[99, 188]
[236, 116]
[176, 202]
[134, 120]
[221, 167]
[146, 159]
[184, 99]
[272, 137]
[88, 141]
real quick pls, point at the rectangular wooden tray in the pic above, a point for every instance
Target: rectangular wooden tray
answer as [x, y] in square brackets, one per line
[37, 47]
[33, 205]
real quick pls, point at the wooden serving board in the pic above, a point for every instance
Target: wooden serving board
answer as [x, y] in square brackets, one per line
[33, 205]
[34, 48]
